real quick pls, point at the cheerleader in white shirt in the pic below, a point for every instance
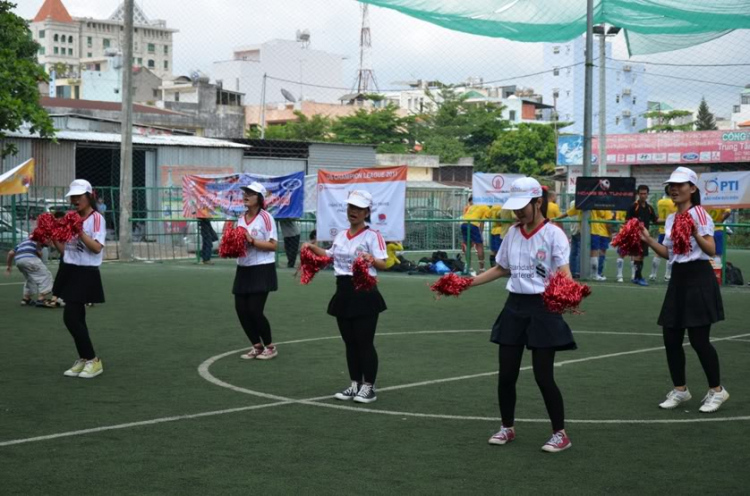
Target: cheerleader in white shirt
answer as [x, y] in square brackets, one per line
[78, 280]
[256, 273]
[693, 299]
[533, 249]
[357, 312]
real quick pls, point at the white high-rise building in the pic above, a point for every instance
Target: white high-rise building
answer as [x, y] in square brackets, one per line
[291, 61]
[76, 41]
[627, 92]
[741, 112]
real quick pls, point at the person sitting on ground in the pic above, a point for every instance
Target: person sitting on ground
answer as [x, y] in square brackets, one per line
[28, 258]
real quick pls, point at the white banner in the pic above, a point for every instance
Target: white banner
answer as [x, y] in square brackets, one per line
[725, 189]
[491, 189]
[387, 187]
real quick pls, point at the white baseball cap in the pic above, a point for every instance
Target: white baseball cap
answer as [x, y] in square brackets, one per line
[683, 175]
[79, 187]
[360, 198]
[522, 191]
[256, 187]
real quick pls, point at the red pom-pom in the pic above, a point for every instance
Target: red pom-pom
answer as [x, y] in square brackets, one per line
[628, 240]
[682, 231]
[564, 294]
[311, 264]
[45, 225]
[68, 227]
[233, 242]
[451, 285]
[362, 279]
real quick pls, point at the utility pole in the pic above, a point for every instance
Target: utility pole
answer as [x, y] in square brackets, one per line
[587, 125]
[126, 145]
[602, 103]
[263, 109]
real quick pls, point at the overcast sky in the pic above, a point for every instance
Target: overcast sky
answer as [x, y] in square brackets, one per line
[405, 48]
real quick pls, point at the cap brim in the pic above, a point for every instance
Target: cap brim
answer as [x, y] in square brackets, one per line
[516, 203]
[676, 181]
[357, 203]
[248, 189]
[76, 192]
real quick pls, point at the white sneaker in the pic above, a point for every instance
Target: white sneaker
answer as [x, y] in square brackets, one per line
[667, 278]
[619, 279]
[714, 400]
[76, 369]
[674, 398]
[652, 277]
[597, 277]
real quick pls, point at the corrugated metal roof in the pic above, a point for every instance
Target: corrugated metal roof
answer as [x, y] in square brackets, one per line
[69, 103]
[93, 137]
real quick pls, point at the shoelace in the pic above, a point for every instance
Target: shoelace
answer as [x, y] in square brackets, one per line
[556, 438]
[366, 388]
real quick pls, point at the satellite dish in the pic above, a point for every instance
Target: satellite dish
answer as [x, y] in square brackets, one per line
[289, 97]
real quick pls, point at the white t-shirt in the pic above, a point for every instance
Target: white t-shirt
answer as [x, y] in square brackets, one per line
[77, 253]
[532, 258]
[262, 227]
[705, 225]
[346, 249]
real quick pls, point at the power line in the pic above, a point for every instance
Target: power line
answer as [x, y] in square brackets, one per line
[677, 65]
[692, 80]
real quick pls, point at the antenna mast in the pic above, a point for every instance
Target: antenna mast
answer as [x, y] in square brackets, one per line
[365, 75]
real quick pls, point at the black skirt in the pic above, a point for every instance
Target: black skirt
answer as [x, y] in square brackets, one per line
[525, 321]
[255, 279]
[78, 284]
[348, 303]
[693, 297]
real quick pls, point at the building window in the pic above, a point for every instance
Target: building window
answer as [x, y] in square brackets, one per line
[89, 41]
[70, 52]
[512, 115]
[736, 109]
[56, 38]
[41, 50]
[166, 49]
[633, 99]
[567, 93]
[166, 65]
[177, 96]
[105, 42]
[617, 98]
[41, 33]
[70, 39]
[633, 122]
[556, 49]
[151, 64]
[617, 120]
[56, 51]
[156, 93]
[89, 54]
[745, 100]
[97, 67]
[556, 71]
[140, 61]
[151, 48]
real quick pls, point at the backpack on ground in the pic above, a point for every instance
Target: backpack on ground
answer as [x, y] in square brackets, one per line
[733, 275]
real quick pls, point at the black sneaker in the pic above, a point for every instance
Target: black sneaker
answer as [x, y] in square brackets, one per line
[366, 394]
[348, 393]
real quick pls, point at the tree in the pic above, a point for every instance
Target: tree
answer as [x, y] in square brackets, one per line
[20, 74]
[315, 128]
[705, 120]
[384, 128]
[529, 150]
[666, 121]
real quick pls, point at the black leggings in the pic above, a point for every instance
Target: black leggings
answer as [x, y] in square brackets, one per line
[543, 362]
[359, 337]
[699, 340]
[74, 316]
[249, 309]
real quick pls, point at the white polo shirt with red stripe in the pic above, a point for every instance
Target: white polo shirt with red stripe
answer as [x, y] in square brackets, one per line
[262, 227]
[346, 249]
[533, 257]
[705, 225]
[77, 253]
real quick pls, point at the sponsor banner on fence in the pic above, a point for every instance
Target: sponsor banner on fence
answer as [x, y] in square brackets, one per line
[576, 171]
[207, 196]
[695, 147]
[491, 189]
[725, 189]
[605, 193]
[388, 189]
[17, 180]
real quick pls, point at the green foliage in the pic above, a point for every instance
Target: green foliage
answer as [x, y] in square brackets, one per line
[705, 120]
[20, 74]
[529, 149]
[315, 128]
[665, 121]
[384, 128]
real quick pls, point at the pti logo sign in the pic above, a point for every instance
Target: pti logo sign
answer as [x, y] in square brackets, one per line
[713, 186]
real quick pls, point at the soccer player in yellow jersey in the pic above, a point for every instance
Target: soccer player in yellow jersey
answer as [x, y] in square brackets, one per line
[474, 229]
[498, 229]
[553, 209]
[664, 208]
[719, 215]
[600, 236]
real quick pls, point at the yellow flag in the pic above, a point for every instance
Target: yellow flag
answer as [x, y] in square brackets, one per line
[17, 180]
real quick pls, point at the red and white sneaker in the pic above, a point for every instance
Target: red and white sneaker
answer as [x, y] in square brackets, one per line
[252, 354]
[558, 442]
[504, 436]
[268, 353]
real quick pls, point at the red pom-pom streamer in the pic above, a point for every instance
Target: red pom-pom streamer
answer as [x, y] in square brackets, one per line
[362, 279]
[311, 264]
[233, 242]
[68, 227]
[628, 240]
[564, 294]
[45, 225]
[682, 231]
[451, 285]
